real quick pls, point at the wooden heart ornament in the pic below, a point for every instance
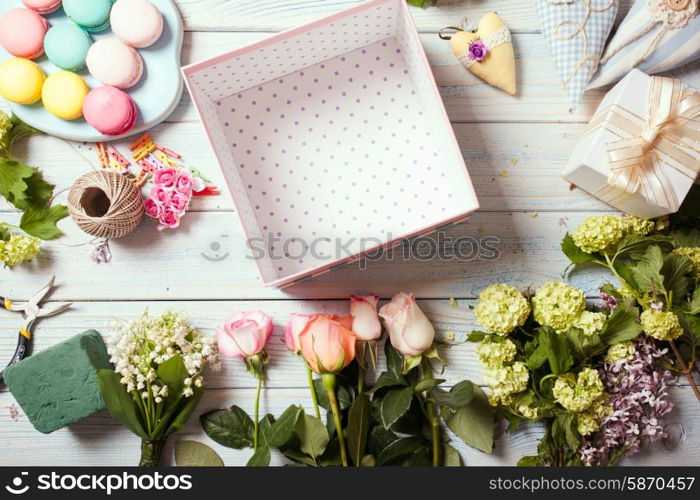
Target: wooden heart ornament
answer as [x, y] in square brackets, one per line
[486, 51]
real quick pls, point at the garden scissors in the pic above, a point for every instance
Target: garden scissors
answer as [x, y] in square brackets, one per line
[31, 311]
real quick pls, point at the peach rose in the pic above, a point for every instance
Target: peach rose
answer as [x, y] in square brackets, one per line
[328, 343]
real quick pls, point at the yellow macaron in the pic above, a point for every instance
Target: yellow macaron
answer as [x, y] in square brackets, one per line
[63, 95]
[21, 81]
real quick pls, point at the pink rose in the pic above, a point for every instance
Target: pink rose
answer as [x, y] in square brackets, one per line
[244, 334]
[152, 208]
[296, 325]
[161, 195]
[165, 177]
[179, 202]
[365, 322]
[169, 219]
[410, 331]
[327, 343]
[183, 184]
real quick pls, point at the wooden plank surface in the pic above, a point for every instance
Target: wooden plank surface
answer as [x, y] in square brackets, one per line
[514, 146]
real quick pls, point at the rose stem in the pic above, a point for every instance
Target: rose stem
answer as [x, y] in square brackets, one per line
[434, 421]
[256, 431]
[314, 398]
[685, 370]
[329, 384]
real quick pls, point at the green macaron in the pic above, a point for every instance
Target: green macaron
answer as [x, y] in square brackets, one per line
[91, 15]
[66, 45]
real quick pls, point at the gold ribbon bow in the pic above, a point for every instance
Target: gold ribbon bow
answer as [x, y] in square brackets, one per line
[638, 161]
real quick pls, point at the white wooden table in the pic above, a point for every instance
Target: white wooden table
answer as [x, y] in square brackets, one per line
[514, 147]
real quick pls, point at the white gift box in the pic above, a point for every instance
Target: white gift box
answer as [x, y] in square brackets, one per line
[631, 124]
[333, 140]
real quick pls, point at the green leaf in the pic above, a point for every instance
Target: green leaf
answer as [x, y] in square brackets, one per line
[394, 405]
[622, 324]
[686, 239]
[427, 384]
[574, 253]
[411, 362]
[358, 428]
[232, 428]
[313, 436]
[675, 271]
[387, 379]
[564, 429]
[400, 448]
[299, 457]
[194, 454]
[394, 361]
[173, 373]
[13, 186]
[476, 336]
[380, 438]
[647, 272]
[186, 408]
[119, 402]
[283, 429]
[460, 395]
[635, 246]
[451, 457]
[260, 458]
[693, 307]
[473, 423]
[557, 350]
[41, 222]
[530, 461]
[5, 231]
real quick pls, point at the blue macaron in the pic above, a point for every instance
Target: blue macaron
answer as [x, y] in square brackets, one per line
[66, 45]
[91, 15]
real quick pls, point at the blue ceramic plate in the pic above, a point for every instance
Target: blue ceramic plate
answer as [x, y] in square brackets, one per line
[156, 94]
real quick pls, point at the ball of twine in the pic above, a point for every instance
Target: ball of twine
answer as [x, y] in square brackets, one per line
[105, 204]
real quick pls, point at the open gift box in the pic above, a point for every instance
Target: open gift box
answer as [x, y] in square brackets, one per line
[333, 140]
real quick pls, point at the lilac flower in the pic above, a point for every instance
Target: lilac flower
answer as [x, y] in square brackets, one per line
[609, 301]
[639, 396]
[100, 252]
[477, 50]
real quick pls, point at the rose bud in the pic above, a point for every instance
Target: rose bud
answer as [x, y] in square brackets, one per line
[365, 322]
[328, 343]
[244, 334]
[409, 329]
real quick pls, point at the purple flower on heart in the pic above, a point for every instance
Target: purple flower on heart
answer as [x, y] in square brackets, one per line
[477, 50]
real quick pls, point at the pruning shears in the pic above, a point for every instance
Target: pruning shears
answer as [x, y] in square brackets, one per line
[31, 311]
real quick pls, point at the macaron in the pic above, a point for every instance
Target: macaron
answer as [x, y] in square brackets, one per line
[43, 6]
[63, 95]
[21, 81]
[66, 45]
[22, 32]
[114, 63]
[138, 23]
[110, 111]
[91, 15]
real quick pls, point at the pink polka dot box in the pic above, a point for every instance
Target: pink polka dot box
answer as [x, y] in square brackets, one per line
[333, 140]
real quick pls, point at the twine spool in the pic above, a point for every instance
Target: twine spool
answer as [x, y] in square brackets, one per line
[105, 204]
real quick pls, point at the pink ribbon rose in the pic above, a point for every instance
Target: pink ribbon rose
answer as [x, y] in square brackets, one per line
[152, 208]
[183, 183]
[165, 177]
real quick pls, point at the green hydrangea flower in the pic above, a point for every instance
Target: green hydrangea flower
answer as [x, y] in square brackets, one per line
[501, 309]
[529, 412]
[18, 248]
[661, 325]
[579, 395]
[589, 421]
[624, 351]
[495, 354]
[558, 305]
[638, 226]
[590, 323]
[598, 232]
[693, 253]
[5, 123]
[506, 381]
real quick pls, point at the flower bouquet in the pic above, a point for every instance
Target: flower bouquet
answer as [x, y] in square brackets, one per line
[157, 380]
[548, 357]
[397, 420]
[657, 266]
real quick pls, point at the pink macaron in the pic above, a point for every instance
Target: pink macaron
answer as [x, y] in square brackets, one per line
[22, 33]
[43, 6]
[114, 63]
[109, 110]
[138, 23]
